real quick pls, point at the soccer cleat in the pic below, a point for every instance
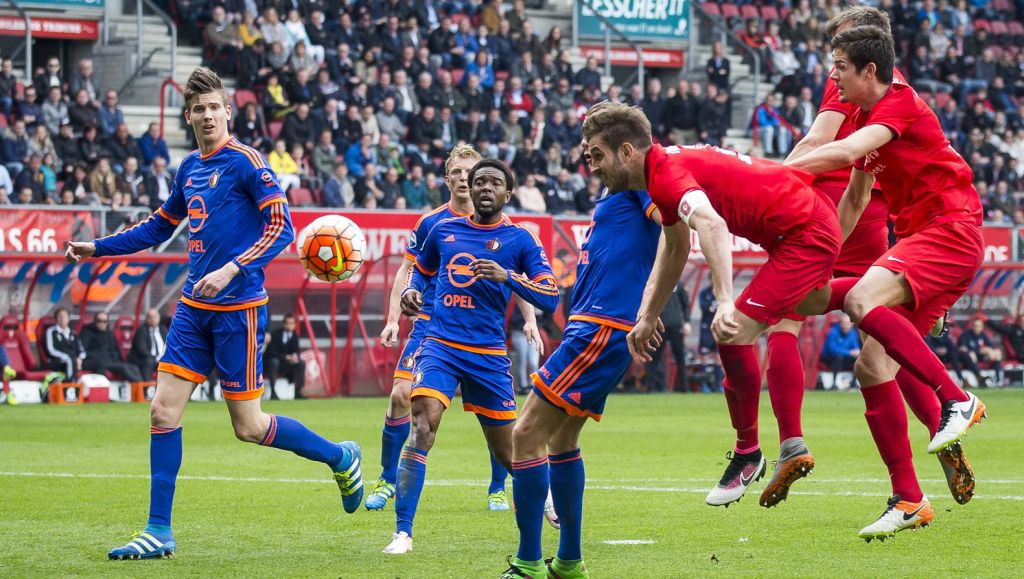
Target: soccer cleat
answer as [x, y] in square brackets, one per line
[350, 480]
[959, 475]
[557, 569]
[401, 543]
[957, 417]
[518, 569]
[549, 512]
[940, 326]
[742, 470]
[899, 516]
[795, 462]
[378, 497]
[10, 373]
[498, 501]
[145, 545]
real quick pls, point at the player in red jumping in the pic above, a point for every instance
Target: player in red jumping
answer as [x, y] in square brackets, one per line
[937, 215]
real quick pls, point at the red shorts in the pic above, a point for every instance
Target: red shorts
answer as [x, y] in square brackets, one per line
[939, 263]
[869, 238]
[800, 262]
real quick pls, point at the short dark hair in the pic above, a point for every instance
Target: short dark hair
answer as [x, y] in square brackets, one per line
[289, 316]
[858, 16]
[202, 81]
[510, 179]
[868, 44]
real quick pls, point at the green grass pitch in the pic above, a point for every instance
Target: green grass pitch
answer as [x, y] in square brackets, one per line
[74, 483]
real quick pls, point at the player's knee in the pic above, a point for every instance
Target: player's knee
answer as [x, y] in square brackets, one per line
[423, 435]
[161, 415]
[400, 396]
[872, 370]
[857, 305]
[248, 430]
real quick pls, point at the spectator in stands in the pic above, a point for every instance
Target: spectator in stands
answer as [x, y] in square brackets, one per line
[102, 354]
[76, 186]
[121, 145]
[29, 109]
[389, 122]
[152, 145]
[975, 346]
[785, 68]
[767, 118]
[680, 115]
[325, 156]
[62, 346]
[248, 30]
[414, 189]
[1013, 333]
[587, 196]
[249, 128]
[282, 357]
[130, 183]
[368, 193]
[653, 105]
[391, 189]
[298, 128]
[842, 346]
[253, 68]
[157, 183]
[274, 31]
[6, 186]
[588, 76]
[102, 182]
[224, 37]
[676, 319]
[425, 133]
[789, 132]
[338, 190]
[31, 177]
[282, 163]
[49, 78]
[90, 149]
[66, 146]
[359, 155]
[15, 147]
[40, 143]
[560, 196]
[148, 345]
[717, 67]
[8, 82]
[83, 112]
[55, 111]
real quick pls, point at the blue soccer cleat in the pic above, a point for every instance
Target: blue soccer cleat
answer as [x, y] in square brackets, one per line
[498, 501]
[350, 478]
[379, 495]
[145, 545]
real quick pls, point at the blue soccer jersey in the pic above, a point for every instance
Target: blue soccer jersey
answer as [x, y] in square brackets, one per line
[236, 212]
[469, 313]
[614, 264]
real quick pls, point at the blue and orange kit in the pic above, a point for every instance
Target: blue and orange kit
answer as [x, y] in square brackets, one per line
[236, 212]
[416, 240]
[475, 308]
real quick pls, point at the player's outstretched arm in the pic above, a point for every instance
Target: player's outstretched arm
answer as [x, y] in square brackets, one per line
[713, 234]
[78, 250]
[855, 199]
[823, 131]
[673, 252]
[389, 336]
[530, 324]
[845, 152]
[154, 230]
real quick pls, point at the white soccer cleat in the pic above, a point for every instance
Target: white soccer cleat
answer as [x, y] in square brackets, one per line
[899, 516]
[742, 470]
[401, 543]
[957, 417]
[549, 512]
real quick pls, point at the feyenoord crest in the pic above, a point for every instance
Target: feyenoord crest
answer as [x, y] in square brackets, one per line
[493, 244]
[417, 377]
[408, 362]
[214, 179]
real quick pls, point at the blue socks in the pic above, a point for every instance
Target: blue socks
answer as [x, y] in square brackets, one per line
[288, 434]
[530, 489]
[567, 482]
[396, 431]
[412, 472]
[164, 462]
[498, 475]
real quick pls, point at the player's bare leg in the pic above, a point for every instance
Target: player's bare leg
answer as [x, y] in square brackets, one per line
[786, 388]
[412, 469]
[742, 392]
[396, 423]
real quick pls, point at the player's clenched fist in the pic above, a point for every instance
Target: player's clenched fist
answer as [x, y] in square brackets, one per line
[79, 250]
[724, 326]
[211, 284]
[487, 269]
[412, 301]
[389, 335]
[644, 338]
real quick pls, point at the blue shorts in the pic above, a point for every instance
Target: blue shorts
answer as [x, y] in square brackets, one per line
[407, 362]
[585, 368]
[486, 383]
[231, 340]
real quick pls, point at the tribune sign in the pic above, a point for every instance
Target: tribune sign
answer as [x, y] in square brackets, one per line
[654, 20]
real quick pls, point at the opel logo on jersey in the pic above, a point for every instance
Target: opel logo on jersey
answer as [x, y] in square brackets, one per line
[459, 273]
[214, 179]
[268, 179]
[493, 244]
[196, 213]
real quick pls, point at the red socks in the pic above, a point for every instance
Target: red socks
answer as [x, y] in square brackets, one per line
[887, 419]
[921, 400]
[903, 344]
[840, 287]
[742, 390]
[786, 383]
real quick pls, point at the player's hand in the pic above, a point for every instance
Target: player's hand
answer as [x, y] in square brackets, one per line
[412, 301]
[213, 282]
[724, 325]
[389, 335]
[533, 337]
[487, 269]
[643, 339]
[79, 250]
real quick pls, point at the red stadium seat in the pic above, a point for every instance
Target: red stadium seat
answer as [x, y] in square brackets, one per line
[44, 323]
[942, 99]
[784, 12]
[981, 24]
[711, 8]
[274, 129]
[244, 97]
[19, 90]
[457, 74]
[997, 51]
[730, 11]
[124, 331]
[1003, 6]
[749, 11]
[3, 122]
[1016, 28]
[19, 349]
[299, 196]
[770, 13]
[999, 28]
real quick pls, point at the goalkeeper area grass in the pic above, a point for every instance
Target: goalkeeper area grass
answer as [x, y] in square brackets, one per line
[74, 483]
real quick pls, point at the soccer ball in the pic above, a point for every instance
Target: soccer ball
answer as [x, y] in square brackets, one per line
[332, 248]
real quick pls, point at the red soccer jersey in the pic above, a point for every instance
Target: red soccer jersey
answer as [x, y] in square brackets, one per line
[830, 102]
[923, 179]
[759, 200]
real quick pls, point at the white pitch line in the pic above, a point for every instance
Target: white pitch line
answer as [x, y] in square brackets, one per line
[462, 483]
[629, 542]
